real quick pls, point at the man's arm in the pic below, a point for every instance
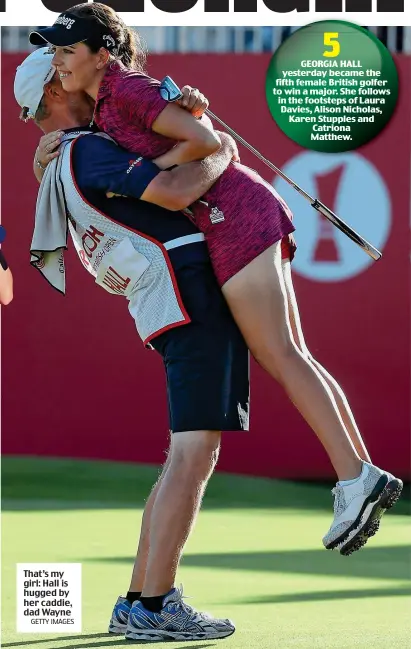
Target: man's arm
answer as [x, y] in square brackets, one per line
[182, 186]
[101, 165]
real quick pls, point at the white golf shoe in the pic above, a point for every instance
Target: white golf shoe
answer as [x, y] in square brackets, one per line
[358, 508]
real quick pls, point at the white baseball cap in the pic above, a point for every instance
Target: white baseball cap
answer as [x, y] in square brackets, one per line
[31, 77]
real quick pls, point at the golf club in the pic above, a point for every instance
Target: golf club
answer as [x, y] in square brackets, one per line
[171, 92]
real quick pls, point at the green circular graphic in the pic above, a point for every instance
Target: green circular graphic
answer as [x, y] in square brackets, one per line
[332, 86]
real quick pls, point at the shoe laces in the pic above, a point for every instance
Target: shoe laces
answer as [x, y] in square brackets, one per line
[187, 608]
[337, 493]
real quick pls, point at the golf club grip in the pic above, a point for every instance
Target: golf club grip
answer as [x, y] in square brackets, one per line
[345, 228]
[169, 90]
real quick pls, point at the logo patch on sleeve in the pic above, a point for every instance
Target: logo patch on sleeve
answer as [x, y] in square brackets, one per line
[134, 163]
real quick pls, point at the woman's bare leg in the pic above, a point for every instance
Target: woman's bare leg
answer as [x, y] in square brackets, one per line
[257, 298]
[339, 396]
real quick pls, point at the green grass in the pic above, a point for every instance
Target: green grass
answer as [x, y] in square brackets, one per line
[255, 556]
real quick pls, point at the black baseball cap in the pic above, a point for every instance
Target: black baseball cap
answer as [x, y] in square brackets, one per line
[70, 29]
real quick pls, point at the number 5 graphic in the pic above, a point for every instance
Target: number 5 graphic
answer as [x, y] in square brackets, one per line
[331, 40]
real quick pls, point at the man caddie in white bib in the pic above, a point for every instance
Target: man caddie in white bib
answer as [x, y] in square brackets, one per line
[158, 261]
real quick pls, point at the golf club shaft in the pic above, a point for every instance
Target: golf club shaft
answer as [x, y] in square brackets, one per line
[315, 203]
[171, 92]
[269, 164]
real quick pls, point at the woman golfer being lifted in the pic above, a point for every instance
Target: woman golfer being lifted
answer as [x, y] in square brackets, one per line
[247, 227]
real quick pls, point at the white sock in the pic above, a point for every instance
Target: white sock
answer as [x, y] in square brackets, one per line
[346, 483]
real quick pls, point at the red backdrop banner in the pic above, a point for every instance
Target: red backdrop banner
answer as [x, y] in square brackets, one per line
[77, 381]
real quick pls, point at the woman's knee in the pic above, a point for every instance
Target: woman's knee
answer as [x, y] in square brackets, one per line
[276, 357]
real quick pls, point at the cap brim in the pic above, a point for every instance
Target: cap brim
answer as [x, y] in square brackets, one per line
[53, 35]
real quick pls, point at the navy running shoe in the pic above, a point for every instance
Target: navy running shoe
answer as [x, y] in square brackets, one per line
[119, 616]
[177, 621]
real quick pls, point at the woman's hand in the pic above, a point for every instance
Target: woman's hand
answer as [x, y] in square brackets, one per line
[193, 101]
[47, 149]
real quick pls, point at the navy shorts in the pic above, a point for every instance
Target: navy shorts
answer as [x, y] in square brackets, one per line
[207, 360]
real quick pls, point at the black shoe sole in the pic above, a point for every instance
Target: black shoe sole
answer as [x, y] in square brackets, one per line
[388, 498]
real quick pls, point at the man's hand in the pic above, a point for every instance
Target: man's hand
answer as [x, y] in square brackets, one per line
[228, 142]
[193, 101]
[48, 147]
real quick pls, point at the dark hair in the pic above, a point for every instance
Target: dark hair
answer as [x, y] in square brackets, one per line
[42, 111]
[24, 113]
[132, 51]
